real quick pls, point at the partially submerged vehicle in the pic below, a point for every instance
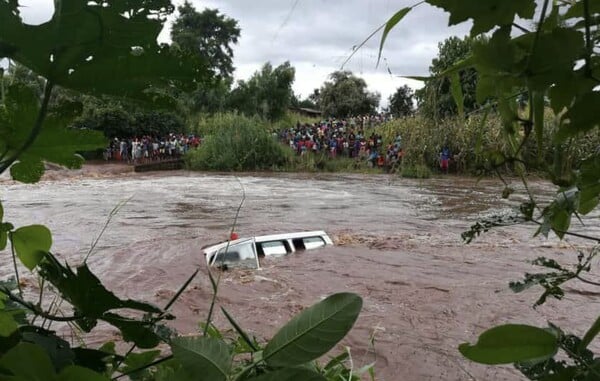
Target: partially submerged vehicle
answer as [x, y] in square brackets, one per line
[249, 252]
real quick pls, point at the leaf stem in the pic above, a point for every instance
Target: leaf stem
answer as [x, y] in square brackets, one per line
[14, 258]
[37, 127]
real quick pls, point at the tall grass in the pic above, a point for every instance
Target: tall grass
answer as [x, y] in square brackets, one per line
[479, 142]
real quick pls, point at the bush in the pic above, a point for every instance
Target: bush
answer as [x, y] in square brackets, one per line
[236, 143]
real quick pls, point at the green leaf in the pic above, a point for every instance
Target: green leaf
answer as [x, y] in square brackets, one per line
[54, 143]
[135, 331]
[77, 373]
[590, 335]
[543, 69]
[457, 94]
[30, 243]
[204, 356]
[560, 221]
[85, 291]
[511, 343]
[582, 116]
[26, 171]
[239, 330]
[290, 374]
[57, 349]
[94, 359]
[314, 331]
[3, 239]
[389, 25]
[138, 360]
[8, 325]
[486, 14]
[20, 362]
[101, 48]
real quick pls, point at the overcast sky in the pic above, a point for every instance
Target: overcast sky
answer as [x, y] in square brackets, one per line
[316, 36]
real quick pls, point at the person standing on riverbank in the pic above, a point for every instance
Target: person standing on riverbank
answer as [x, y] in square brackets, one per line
[444, 158]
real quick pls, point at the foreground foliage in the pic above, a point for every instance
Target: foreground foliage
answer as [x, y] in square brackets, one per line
[110, 48]
[558, 64]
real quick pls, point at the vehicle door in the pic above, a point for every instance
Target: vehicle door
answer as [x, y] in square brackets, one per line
[240, 254]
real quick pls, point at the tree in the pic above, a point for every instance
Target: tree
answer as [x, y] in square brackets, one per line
[435, 99]
[208, 34]
[347, 95]
[401, 102]
[268, 93]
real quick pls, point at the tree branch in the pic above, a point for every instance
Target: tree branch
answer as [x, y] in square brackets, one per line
[37, 310]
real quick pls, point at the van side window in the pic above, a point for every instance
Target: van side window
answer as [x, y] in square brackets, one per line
[273, 248]
[313, 242]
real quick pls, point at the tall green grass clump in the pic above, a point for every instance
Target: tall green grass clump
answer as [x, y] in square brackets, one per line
[479, 142]
[233, 142]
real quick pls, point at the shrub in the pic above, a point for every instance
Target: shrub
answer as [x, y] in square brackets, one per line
[236, 143]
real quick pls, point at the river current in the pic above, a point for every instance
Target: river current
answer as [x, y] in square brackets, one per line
[398, 245]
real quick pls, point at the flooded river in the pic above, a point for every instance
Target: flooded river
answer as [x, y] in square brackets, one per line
[398, 246]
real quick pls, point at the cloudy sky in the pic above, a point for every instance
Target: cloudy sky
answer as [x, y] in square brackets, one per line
[317, 36]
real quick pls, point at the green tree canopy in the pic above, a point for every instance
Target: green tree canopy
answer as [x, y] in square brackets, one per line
[268, 93]
[401, 102]
[435, 99]
[346, 95]
[208, 34]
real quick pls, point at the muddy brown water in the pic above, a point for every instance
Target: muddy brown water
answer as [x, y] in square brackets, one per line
[398, 246]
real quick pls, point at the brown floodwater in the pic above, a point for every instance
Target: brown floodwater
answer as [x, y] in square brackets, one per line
[397, 245]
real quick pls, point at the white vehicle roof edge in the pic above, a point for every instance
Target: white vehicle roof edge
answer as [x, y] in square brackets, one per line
[272, 237]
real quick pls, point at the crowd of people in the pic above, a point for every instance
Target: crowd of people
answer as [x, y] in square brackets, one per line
[353, 138]
[146, 149]
[356, 138]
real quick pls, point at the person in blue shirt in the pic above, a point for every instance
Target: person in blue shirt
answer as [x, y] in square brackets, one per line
[444, 158]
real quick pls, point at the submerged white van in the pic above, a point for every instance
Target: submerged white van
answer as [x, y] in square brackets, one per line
[248, 252]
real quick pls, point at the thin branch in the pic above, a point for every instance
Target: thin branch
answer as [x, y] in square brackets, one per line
[37, 127]
[578, 235]
[35, 309]
[112, 213]
[14, 258]
[521, 28]
[181, 289]
[214, 297]
[588, 281]
[589, 47]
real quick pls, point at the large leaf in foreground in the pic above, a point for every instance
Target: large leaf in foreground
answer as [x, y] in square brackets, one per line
[203, 356]
[511, 343]
[30, 244]
[486, 14]
[314, 331]
[100, 47]
[54, 141]
[29, 362]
